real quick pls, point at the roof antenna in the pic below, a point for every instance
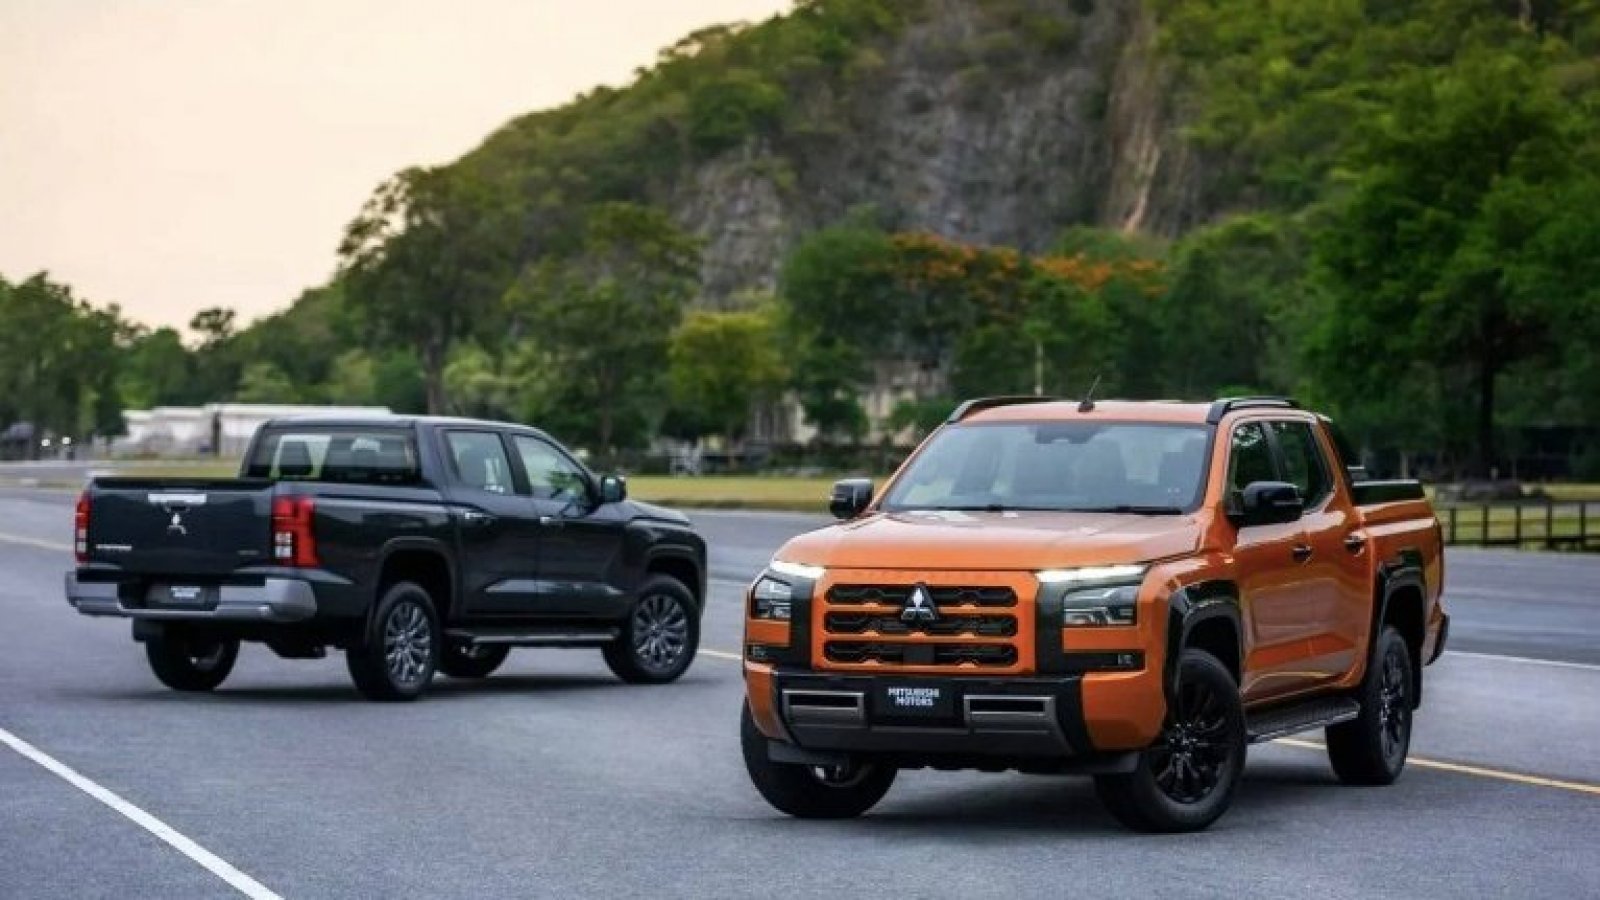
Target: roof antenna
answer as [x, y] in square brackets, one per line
[1088, 399]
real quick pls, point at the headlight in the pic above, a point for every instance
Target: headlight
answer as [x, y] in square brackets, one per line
[797, 570]
[1097, 595]
[771, 599]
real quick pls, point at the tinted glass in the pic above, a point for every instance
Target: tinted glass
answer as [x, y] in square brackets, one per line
[1055, 466]
[1303, 464]
[339, 455]
[1249, 458]
[480, 460]
[550, 473]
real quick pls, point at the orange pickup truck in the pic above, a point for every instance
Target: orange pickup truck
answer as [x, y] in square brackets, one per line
[1132, 591]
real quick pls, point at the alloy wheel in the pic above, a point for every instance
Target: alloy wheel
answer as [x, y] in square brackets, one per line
[1194, 749]
[407, 643]
[1394, 708]
[660, 632]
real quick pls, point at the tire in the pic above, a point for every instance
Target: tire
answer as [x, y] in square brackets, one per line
[1371, 748]
[463, 660]
[1185, 780]
[396, 656]
[191, 661]
[660, 636]
[810, 792]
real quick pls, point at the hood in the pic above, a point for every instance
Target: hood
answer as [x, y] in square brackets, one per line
[644, 510]
[994, 541]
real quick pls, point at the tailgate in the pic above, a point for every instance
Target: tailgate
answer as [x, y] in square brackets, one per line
[180, 526]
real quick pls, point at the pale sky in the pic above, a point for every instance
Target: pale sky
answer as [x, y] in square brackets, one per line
[171, 155]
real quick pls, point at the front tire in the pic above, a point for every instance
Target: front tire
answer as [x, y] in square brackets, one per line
[811, 792]
[659, 637]
[1371, 748]
[463, 660]
[397, 655]
[188, 661]
[1186, 780]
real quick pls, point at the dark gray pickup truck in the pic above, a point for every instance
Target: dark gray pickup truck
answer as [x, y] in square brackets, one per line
[413, 544]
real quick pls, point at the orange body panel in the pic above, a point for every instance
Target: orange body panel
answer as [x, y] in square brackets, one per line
[1305, 591]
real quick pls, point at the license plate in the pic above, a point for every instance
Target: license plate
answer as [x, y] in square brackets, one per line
[915, 701]
[178, 595]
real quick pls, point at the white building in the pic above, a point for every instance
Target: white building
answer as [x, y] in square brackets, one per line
[189, 430]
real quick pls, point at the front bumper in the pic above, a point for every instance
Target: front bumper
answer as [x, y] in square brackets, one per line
[273, 600]
[978, 718]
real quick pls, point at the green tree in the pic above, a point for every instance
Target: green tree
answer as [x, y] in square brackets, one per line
[264, 382]
[599, 320]
[721, 365]
[426, 261]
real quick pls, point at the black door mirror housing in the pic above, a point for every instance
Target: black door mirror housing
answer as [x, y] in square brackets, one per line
[1267, 503]
[850, 497]
[613, 489]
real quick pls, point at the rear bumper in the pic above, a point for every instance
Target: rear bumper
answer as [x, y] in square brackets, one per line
[981, 721]
[274, 600]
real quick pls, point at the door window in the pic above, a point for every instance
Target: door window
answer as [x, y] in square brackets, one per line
[1250, 457]
[1303, 463]
[551, 475]
[480, 461]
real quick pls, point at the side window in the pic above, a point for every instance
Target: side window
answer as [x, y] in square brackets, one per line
[1250, 457]
[480, 460]
[1303, 465]
[551, 475]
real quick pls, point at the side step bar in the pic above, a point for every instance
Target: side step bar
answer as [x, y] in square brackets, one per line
[1282, 721]
[532, 637]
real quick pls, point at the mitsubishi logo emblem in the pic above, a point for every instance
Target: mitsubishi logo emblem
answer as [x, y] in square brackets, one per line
[176, 526]
[919, 606]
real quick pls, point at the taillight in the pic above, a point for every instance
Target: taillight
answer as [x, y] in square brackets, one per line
[80, 529]
[293, 543]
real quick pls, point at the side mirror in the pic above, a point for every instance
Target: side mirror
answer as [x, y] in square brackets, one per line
[850, 497]
[1267, 503]
[613, 489]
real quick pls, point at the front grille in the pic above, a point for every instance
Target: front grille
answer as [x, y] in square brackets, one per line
[907, 654]
[949, 626]
[942, 595]
[977, 628]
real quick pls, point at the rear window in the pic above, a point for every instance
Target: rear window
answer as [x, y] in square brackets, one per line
[337, 455]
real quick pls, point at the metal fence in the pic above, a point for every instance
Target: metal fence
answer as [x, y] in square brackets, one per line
[1554, 524]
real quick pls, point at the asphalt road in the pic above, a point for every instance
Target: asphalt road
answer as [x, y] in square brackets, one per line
[554, 779]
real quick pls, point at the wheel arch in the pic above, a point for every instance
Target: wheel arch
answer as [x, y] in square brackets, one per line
[679, 563]
[421, 560]
[1206, 616]
[1400, 599]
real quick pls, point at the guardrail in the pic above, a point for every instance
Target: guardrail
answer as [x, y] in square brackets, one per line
[1553, 524]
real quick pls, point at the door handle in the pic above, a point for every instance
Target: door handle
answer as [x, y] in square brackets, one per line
[1302, 552]
[551, 521]
[1355, 542]
[476, 518]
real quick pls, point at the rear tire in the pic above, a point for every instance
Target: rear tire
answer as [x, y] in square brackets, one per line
[463, 660]
[396, 657]
[811, 792]
[1371, 748]
[1186, 780]
[660, 636]
[190, 661]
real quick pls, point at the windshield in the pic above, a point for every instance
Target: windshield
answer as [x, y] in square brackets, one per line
[1074, 466]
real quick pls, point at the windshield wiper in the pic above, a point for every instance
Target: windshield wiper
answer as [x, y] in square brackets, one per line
[1132, 509]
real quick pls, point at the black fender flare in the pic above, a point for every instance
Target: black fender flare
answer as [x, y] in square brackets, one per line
[414, 542]
[1402, 571]
[1191, 605]
[685, 554]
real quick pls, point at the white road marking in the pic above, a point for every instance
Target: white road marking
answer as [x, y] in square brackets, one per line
[722, 654]
[35, 542]
[212, 863]
[1557, 663]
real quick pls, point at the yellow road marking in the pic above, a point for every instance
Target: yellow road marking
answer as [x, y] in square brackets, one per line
[1458, 768]
[34, 542]
[1461, 769]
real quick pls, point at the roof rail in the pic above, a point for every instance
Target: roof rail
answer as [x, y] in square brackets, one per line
[1228, 404]
[982, 403]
